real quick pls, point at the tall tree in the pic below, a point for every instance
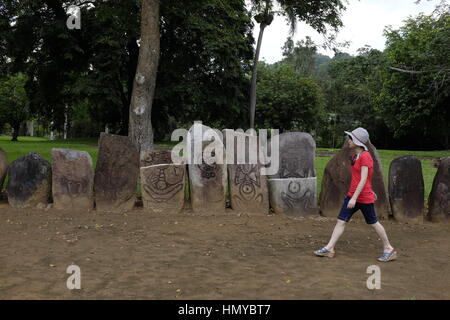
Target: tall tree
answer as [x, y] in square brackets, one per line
[140, 126]
[319, 14]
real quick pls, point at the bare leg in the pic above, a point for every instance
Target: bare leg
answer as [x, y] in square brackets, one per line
[337, 233]
[383, 236]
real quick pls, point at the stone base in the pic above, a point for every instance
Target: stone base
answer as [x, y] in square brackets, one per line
[294, 196]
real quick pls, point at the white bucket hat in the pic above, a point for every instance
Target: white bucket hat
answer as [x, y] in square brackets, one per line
[360, 137]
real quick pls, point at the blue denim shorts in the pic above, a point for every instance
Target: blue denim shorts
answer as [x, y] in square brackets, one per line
[368, 210]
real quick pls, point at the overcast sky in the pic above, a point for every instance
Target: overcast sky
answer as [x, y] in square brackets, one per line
[364, 22]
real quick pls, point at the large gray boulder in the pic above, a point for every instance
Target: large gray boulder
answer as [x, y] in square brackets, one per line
[73, 179]
[163, 187]
[116, 173]
[337, 178]
[439, 200]
[29, 181]
[406, 189]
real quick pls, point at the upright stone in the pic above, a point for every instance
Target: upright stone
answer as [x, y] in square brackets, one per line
[297, 156]
[439, 200]
[163, 187]
[337, 178]
[248, 188]
[116, 174]
[207, 177]
[3, 167]
[406, 189]
[293, 189]
[73, 179]
[29, 181]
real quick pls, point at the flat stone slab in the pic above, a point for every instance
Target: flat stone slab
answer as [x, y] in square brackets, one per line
[29, 182]
[406, 189]
[116, 174]
[336, 183]
[294, 197]
[163, 187]
[439, 200]
[73, 179]
[3, 167]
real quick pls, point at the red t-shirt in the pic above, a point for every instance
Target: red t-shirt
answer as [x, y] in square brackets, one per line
[367, 195]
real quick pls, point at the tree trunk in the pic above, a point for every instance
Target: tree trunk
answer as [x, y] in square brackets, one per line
[16, 129]
[254, 77]
[140, 126]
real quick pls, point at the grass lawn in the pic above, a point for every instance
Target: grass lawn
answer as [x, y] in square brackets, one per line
[25, 145]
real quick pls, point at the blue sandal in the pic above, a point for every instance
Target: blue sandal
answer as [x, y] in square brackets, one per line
[324, 253]
[388, 256]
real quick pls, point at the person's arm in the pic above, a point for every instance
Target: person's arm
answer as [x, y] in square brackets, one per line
[362, 183]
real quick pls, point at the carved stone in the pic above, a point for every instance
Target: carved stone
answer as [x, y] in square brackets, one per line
[116, 174]
[155, 157]
[406, 189]
[73, 179]
[208, 182]
[294, 196]
[248, 188]
[29, 182]
[297, 156]
[439, 200]
[336, 183]
[163, 187]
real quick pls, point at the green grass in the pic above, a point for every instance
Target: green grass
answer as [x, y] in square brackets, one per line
[25, 145]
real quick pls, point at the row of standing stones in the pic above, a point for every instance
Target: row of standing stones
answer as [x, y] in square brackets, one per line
[70, 182]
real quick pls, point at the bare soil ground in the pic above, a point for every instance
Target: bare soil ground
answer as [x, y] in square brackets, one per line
[138, 255]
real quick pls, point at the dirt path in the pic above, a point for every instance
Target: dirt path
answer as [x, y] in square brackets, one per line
[142, 256]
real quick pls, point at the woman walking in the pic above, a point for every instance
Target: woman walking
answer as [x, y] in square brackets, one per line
[360, 197]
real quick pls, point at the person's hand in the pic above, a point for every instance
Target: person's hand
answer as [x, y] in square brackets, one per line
[351, 204]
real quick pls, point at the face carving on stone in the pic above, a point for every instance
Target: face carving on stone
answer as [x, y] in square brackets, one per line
[208, 171]
[296, 194]
[248, 180]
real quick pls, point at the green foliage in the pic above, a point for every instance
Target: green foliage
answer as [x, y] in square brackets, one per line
[14, 103]
[286, 100]
[416, 103]
[206, 49]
